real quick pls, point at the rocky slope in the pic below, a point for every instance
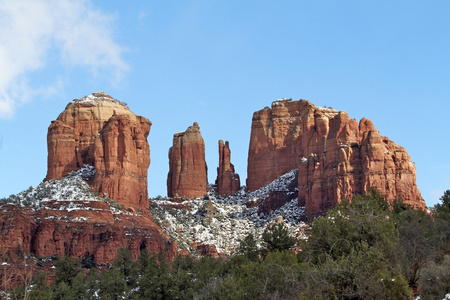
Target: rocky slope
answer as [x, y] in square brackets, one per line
[227, 181]
[187, 166]
[215, 225]
[66, 217]
[100, 131]
[336, 157]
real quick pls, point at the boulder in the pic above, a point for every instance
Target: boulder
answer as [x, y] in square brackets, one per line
[227, 181]
[187, 166]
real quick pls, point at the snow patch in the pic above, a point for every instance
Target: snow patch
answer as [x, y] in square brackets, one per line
[230, 220]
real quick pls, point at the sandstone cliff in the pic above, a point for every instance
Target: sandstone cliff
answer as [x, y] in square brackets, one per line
[187, 167]
[102, 132]
[228, 181]
[336, 157]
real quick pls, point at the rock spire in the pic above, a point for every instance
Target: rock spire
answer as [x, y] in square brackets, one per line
[187, 166]
[228, 181]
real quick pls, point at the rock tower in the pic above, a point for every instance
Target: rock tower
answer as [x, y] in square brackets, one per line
[228, 181]
[100, 131]
[187, 166]
[335, 156]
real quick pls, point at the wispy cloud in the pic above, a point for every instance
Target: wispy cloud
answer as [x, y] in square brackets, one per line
[30, 29]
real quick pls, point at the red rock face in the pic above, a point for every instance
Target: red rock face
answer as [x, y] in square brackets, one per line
[275, 143]
[102, 132]
[336, 157]
[77, 233]
[187, 166]
[227, 180]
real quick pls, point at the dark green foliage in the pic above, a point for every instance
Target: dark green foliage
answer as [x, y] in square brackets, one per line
[248, 248]
[126, 266]
[350, 252]
[66, 270]
[155, 281]
[277, 238]
[443, 210]
[434, 282]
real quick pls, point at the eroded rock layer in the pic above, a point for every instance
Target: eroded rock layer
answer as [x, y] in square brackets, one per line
[94, 233]
[336, 157]
[187, 166]
[102, 132]
[228, 181]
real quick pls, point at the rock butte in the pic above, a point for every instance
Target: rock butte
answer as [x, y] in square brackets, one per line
[102, 132]
[228, 181]
[336, 157]
[187, 167]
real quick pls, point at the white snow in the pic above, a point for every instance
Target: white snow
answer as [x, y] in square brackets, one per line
[69, 193]
[95, 98]
[231, 221]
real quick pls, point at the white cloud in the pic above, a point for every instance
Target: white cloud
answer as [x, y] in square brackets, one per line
[30, 29]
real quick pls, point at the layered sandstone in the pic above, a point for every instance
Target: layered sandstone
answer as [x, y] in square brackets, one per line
[228, 181]
[102, 132]
[95, 232]
[336, 157]
[187, 166]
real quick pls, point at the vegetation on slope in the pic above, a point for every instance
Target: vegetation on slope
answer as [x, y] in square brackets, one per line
[363, 249]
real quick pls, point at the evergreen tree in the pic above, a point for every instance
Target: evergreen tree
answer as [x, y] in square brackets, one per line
[248, 248]
[443, 209]
[126, 266]
[277, 238]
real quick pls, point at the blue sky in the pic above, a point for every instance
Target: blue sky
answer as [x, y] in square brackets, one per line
[215, 63]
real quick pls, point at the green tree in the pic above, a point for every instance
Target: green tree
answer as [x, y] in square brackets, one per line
[277, 238]
[66, 270]
[443, 209]
[248, 248]
[126, 266]
[155, 282]
[434, 282]
[112, 284]
[350, 251]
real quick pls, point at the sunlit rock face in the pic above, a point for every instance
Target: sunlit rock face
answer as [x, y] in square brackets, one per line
[102, 132]
[336, 157]
[187, 166]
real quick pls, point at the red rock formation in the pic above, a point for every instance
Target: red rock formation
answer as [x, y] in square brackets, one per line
[102, 132]
[187, 167]
[275, 143]
[335, 156]
[209, 250]
[95, 231]
[227, 180]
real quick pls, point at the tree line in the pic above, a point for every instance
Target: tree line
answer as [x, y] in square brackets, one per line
[366, 248]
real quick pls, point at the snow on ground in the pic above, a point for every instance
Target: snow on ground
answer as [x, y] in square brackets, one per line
[231, 221]
[70, 192]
